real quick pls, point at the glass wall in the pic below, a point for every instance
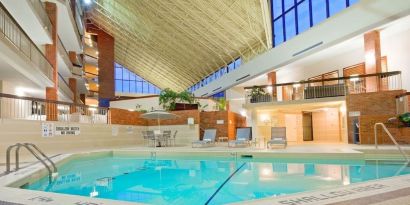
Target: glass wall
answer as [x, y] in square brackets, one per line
[292, 17]
[128, 82]
[217, 74]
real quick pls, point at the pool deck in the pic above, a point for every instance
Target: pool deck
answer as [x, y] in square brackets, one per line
[394, 190]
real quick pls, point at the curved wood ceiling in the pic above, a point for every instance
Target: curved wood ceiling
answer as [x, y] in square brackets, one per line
[176, 43]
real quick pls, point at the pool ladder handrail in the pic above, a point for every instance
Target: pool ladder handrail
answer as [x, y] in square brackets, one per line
[391, 137]
[30, 147]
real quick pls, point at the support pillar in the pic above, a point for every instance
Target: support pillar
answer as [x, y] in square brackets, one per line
[51, 55]
[106, 81]
[272, 81]
[72, 84]
[372, 59]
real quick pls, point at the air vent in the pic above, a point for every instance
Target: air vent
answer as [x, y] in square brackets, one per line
[216, 89]
[241, 78]
[308, 48]
[204, 94]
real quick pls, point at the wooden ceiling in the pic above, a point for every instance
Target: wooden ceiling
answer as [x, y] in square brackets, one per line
[176, 43]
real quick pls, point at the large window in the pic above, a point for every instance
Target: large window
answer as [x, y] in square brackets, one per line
[292, 17]
[217, 74]
[128, 82]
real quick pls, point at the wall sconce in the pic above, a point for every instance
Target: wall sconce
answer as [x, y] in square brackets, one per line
[270, 89]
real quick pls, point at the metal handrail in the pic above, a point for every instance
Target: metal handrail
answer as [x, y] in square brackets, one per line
[391, 137]
[28, 147]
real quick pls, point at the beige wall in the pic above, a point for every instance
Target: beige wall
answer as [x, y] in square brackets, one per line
[92, 136]
[326, 126]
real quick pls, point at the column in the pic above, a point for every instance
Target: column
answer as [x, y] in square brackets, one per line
[272, 81]
[372, 59]
[51, 55]
[72, 84]
[106, 81]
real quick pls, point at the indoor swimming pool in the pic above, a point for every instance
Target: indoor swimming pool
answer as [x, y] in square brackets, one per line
[208, 180]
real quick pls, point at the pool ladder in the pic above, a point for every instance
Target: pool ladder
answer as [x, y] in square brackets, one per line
[37, 153]
[392, 139]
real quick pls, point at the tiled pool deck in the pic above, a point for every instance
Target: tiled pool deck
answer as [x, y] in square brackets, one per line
[394, 190]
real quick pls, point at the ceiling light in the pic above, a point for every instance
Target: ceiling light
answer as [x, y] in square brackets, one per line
[87, 2]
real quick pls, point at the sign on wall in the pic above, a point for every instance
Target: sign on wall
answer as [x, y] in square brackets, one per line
[47, 129]
[67, 130]
[114, 131]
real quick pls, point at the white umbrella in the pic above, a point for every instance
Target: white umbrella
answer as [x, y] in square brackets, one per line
[159, 115]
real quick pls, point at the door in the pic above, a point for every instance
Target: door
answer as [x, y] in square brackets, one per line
[307, 126]
[291, 127]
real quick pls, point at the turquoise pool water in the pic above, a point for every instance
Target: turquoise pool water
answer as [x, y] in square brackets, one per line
[215, 181]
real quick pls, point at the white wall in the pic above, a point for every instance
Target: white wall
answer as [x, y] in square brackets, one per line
[397, 49]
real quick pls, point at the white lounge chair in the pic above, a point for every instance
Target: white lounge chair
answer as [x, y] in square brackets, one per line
[243, 137]
[278, 137]
[207, 140]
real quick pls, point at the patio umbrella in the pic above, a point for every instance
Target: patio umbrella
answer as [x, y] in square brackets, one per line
[159, 115]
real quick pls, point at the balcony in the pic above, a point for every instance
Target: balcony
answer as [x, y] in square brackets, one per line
[323, 89]
[64, 89]
[64, 62]
[17, 40]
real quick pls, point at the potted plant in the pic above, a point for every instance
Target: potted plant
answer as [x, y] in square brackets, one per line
[168, 98]
[405, 119]
[221, 104]
[256, 94]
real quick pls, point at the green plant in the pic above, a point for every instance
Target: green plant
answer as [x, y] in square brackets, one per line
[186, 96]
[168, 98]
[256, 93]
[405, 119]
[221, 103]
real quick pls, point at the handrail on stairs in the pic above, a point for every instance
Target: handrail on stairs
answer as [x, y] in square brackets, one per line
[391, 137]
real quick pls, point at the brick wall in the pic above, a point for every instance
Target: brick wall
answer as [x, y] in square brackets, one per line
[228, 128]
[373, 107]
[105, 65]
[125, 117]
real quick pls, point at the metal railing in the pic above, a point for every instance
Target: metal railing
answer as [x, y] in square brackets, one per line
[39, 9]
[27, 108]
[391, 137]
[332, 87]
[11, 31]
[35, 151]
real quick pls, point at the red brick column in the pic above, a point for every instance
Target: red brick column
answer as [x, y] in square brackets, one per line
[51, 55]
[72, 83]
[372, 59]
[106, 68]
[272, 81]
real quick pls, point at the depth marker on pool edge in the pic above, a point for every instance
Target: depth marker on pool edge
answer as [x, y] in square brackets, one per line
[226, 181]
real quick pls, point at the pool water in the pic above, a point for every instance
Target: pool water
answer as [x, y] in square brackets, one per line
[211, 181]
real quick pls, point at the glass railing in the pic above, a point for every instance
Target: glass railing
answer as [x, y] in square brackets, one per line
[38, 7]
[332, 87]
[11, 31]
[64, 55]
[64, 87]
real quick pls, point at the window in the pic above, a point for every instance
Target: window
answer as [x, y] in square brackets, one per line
[128, 82]
[292, 17]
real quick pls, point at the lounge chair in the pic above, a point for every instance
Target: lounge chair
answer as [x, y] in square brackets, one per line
[207, 140]
[278, 137]
[243, 137]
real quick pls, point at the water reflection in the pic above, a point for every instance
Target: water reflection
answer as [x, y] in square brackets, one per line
[193, 181]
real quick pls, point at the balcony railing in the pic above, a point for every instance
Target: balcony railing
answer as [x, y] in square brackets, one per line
[27, 108]
[65, 57]
[38, 7]
[332, 87]
[11, 31]
[64, 87]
